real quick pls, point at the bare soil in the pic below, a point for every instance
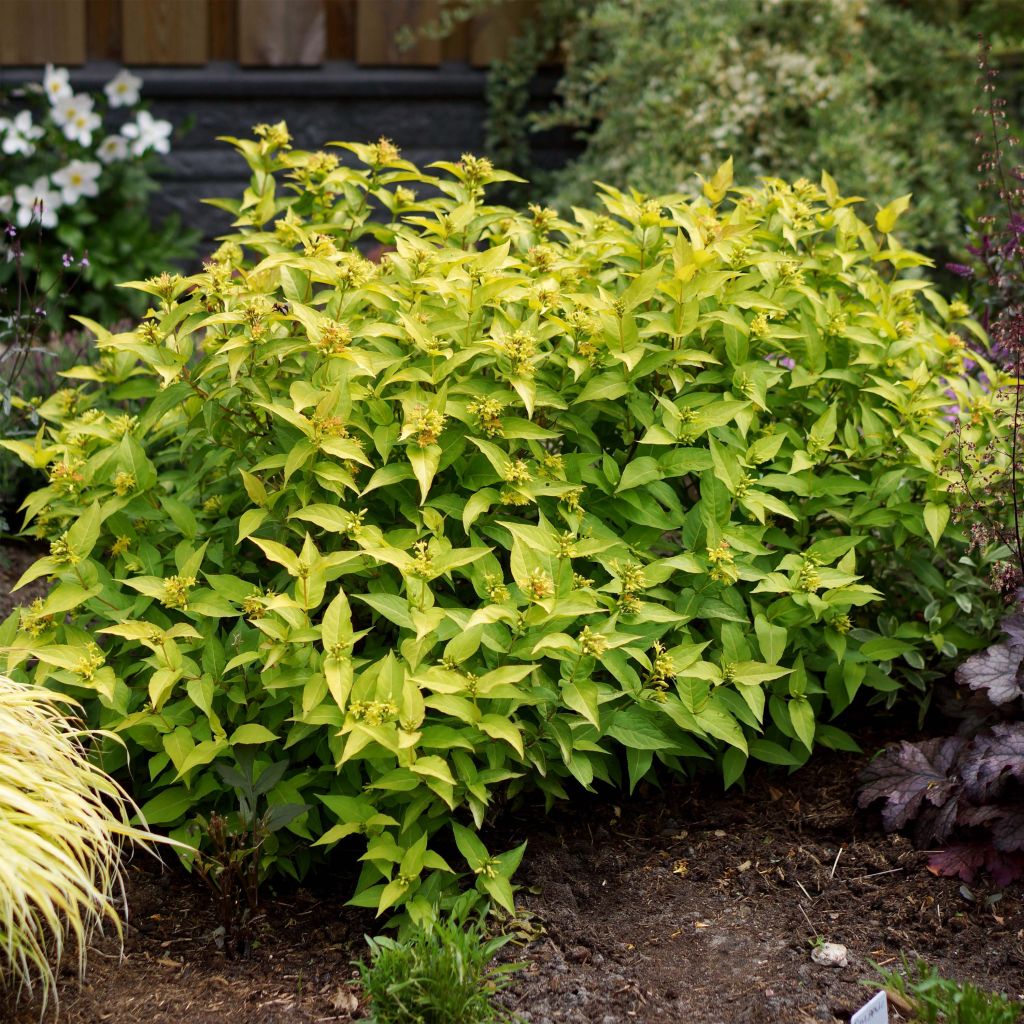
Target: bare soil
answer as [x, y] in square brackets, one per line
[14, 560]
[682, 906]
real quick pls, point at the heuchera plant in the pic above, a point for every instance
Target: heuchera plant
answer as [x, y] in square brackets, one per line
[535, 503]
[76, 171]
[965, 791]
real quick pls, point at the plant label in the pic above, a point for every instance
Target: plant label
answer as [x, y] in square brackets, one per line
[874, 1011]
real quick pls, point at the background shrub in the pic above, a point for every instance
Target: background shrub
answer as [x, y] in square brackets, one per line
[657, 90]
[532, 504]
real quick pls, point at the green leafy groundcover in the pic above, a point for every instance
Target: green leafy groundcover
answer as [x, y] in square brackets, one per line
[533, 503]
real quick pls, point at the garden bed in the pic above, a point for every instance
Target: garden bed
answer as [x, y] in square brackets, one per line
[687, 905]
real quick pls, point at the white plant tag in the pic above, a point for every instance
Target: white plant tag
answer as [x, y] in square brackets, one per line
[874, 1011]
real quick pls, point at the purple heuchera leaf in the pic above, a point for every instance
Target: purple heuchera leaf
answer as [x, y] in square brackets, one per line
[961, 860]
[992, 759]
[1008, 829]
[907, 775]
[1013, 627]
[965, 860]
[997, 669]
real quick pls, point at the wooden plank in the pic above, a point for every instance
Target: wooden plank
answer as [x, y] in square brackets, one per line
[281, 33]
[103, 29]
[491, 31]
[341, 29]
[455, 45]
[223, 40]
[165, 31]
[42, 31]
[378, 23]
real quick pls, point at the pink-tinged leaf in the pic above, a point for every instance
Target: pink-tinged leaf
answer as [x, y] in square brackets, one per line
[963, 861]
[907, 775]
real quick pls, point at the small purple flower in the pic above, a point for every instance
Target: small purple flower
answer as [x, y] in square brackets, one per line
[67, 260]
[84, 261]
[11, 231]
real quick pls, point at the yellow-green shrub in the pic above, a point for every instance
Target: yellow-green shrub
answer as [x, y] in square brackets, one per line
[534, 502]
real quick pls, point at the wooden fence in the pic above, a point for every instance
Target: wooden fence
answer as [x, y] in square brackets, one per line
[254, 33]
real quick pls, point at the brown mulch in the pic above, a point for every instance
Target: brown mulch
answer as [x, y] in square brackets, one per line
[14, 560]
[685, 905]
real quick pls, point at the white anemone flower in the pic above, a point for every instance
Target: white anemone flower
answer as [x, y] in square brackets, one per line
[146, 133]
[112, 149]
[20, 134]
[80, 129]
[68, 108]
[78, 179]
[123, 89]
[56, 84]
[37, 201]
[6, 205]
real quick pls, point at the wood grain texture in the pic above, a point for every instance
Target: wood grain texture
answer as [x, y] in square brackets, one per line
[223, 35]
[341, 29]
[165, 31]
[281, 33]
[103, 29]
[42, 31]
[377, 26]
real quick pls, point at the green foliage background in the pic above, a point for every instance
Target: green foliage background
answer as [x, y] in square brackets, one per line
[656, 90]
[533, 504]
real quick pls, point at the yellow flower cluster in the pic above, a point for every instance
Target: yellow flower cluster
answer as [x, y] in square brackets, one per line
[88, 666]
[176, 591]
[518, 472]
[519, 349]
[67, 476]
[423, 562]
[476, 169]
[497, 592]
[723, 564]
[60, 551]
[335, 339]
[539, 585]
[488, 413]
[383, 152]
[272, 136]
[426, 425]
[592, 645]
[33, 619]
[663, 671]
[124, 483]
[808, 579]
[120, 546]
[631, 577]
[373, 712]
